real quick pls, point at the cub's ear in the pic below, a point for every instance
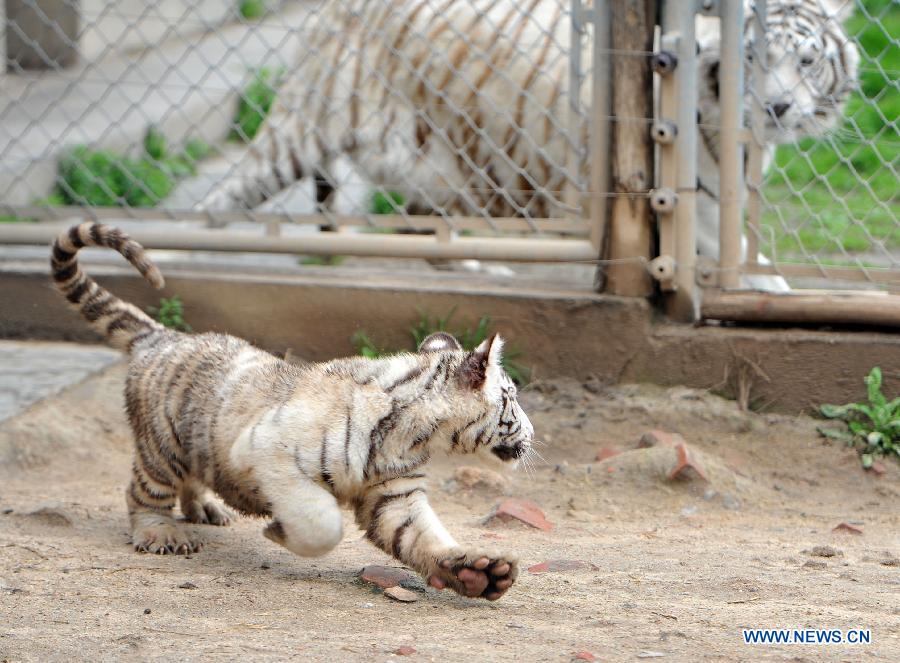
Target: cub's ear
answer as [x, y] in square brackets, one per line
[439, 342]
[475, 368]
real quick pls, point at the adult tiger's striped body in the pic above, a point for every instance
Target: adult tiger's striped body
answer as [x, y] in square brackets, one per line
[456, 103]
[210, 413]
[812, 67]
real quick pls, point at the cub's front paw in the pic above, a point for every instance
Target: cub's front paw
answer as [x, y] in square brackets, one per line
[476, 574]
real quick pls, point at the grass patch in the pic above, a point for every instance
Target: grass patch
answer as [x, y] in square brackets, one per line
[469, 338]
[255, 103]
[840, 193]
[103, 178]
[252, 10]
[389, 202]
[325, 261]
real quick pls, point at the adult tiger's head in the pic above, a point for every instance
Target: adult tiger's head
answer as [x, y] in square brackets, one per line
[811, 67]
[491, 421]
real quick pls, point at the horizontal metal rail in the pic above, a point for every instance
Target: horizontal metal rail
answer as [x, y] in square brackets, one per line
[851, 308]
[359, 244]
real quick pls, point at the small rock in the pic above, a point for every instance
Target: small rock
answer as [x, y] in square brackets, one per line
[890, 560]
[651, 654]
[404, 651]
[187, 585]
[264, 566]
[147, 611]
[607, 452]
[815, 564]
[584, 656]
[878, 468]
[51, 516]
[385, 576]
[847, 527]
[595, 385]
[400, 594]
[6, 512]
[657, 437]
[686, 468]
[475, 478]
[825, 551]
[523, 510]
[730, 502]
[514, 625]
[559, 565]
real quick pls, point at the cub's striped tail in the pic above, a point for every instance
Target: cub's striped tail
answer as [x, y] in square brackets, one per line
[120, 322]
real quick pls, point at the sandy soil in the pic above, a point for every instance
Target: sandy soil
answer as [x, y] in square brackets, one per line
[680, 568]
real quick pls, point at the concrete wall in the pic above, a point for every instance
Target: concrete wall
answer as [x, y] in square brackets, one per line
[561, 333]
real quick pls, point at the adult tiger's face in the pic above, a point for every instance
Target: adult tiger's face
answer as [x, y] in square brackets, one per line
[811, 67]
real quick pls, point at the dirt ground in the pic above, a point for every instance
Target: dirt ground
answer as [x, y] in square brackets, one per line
[679, 568]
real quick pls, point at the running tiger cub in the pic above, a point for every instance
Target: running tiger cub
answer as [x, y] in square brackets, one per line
[212, 414]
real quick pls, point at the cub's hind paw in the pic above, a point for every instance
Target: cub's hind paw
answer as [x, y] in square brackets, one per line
[164, 540]
[206, 513]
[475, 575]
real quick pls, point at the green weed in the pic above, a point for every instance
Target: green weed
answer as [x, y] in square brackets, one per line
[171, 314]
[389, 202]
[874, 427]
[255, 103]
[252, 9]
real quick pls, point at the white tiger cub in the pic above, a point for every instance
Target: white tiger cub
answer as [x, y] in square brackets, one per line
[211, 413]
[812, 67]
[456, 102]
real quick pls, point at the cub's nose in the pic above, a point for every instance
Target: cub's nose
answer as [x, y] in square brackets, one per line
[779, 109]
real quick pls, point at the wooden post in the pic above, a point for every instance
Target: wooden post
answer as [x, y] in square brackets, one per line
[630, 232]
[41, 34]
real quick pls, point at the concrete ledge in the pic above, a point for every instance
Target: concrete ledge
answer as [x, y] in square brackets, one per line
[560, 332]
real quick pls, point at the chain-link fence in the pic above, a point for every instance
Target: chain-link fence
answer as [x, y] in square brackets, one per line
[827, 203]
[472, 112]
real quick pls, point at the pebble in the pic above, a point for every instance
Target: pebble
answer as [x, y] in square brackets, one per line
[651, 654]
[522, 510]
[147, 611]
[825, 551]
[187, 585]
[847, 527]
[404, 651]
[400, 594]
[815, 564]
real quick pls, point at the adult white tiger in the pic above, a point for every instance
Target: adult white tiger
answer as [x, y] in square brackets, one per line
[457, 103]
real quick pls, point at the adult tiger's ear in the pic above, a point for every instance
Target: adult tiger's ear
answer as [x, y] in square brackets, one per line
[478, 364]
[439, 342]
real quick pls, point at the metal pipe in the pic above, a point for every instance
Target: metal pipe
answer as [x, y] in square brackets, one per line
[678, 22]
[600, 112]
[821, 308]
[756, 144]
[571, 196]
[731, 150]
[362, 244]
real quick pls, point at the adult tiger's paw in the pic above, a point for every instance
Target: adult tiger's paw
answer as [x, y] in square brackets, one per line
[476, 574]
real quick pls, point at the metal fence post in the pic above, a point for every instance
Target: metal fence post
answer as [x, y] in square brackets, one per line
[678, 161]
[599, 144]
[731, 150]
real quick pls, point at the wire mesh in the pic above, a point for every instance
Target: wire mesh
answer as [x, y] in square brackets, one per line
[830, 102]
[347, 108]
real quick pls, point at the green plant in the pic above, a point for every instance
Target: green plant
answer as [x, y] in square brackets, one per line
[325, 261]
[255, 102]
[103, 178]
[252, 9]
[171, 313]
[389, 202]
[873, 426]
[469, 338]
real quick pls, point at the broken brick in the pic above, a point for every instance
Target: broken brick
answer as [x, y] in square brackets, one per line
[404, 651]
[607, 452]
[655, 438]
[400, 594]
[522, 510]
[385, 576]
[847, 527]
[584, 656]
[685, 466]
[878, 468]
[557, 565]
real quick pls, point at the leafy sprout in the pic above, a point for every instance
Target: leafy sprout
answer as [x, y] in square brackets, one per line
[171, 314]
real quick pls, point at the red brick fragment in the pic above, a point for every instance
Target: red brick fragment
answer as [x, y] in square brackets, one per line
[847, 527]
[523, 510]
[584, 656]
[878, 468]
[557, 565]
[385, 576]
[404, 651]
[657, 437]
[685, 466]
[607, 452]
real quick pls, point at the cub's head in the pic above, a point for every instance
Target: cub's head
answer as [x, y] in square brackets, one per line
[490, 420]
